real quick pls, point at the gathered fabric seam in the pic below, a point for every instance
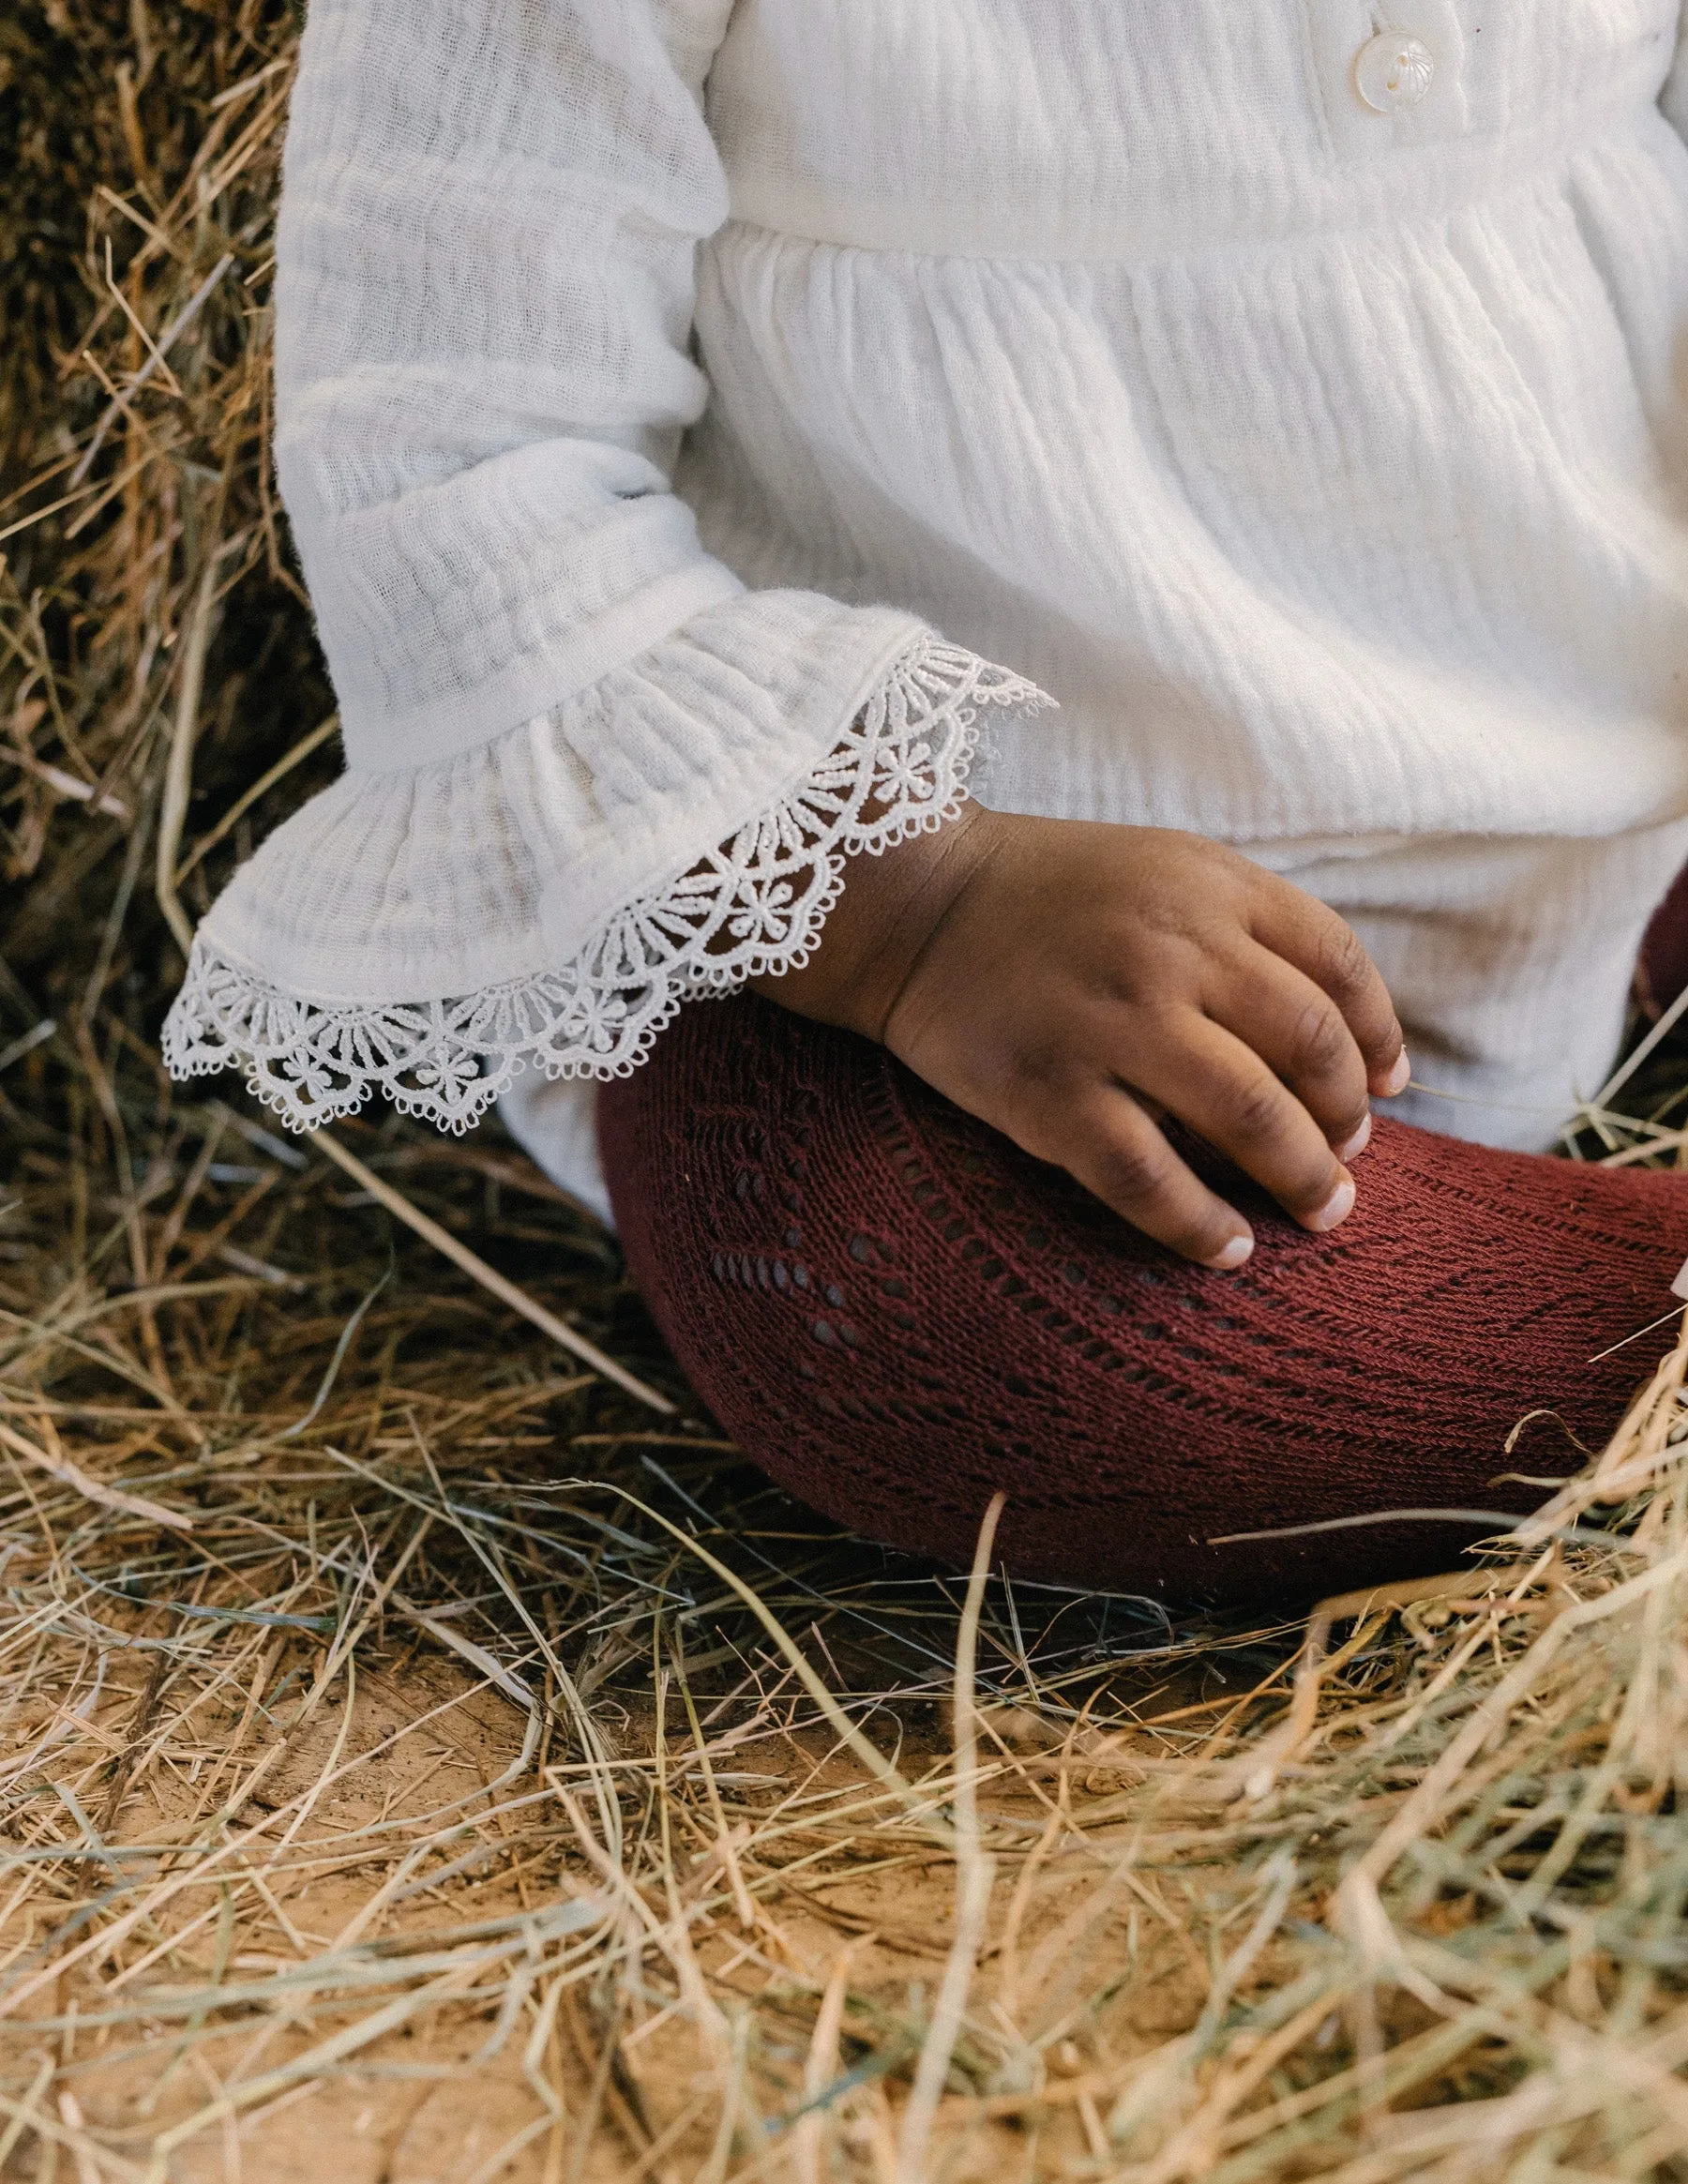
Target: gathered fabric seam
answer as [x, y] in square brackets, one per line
[1549, 147]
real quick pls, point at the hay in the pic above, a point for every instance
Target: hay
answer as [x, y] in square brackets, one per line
[421, 1760]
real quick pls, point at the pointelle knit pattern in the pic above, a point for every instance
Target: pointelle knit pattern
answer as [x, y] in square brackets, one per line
[897, 1312]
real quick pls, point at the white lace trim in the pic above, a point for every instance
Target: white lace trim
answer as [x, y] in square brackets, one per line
[753, 908]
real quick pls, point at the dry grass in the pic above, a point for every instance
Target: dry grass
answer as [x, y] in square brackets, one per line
[419, 1763]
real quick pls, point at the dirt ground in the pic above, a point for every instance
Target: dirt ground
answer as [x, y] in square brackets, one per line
[454, 2093]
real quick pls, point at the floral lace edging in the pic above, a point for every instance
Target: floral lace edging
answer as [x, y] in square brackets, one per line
[752, 907]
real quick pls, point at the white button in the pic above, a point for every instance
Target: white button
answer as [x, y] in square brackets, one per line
[1394, 71]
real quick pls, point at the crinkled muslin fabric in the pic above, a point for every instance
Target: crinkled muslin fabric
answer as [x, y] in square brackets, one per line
[680, 398]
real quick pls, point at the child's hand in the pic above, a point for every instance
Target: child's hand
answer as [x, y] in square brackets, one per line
[1069, 982]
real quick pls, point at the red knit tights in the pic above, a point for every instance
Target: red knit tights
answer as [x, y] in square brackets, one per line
[896, 1312]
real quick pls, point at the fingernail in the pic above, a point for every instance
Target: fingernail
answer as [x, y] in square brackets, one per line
[1357, 1143]
[1238, 1252]
[1400, 1075]
[1335, 1211]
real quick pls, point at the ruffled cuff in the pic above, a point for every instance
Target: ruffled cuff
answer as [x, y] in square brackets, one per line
[751, 907]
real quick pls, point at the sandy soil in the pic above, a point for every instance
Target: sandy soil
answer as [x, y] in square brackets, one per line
[436, 2099]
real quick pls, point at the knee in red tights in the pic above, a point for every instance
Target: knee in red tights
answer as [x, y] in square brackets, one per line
[896, 1312]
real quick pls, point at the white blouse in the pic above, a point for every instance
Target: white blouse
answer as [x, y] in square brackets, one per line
[1292, 391]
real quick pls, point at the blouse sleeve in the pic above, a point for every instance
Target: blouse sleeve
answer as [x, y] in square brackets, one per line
[588, 773]
[1673, 98]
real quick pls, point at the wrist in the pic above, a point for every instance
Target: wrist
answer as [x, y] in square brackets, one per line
[877, 931]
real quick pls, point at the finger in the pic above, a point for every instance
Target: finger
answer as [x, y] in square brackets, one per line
[1225, 1093]
[1326, 949]
[1299, 1031]
[1117, 1152]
